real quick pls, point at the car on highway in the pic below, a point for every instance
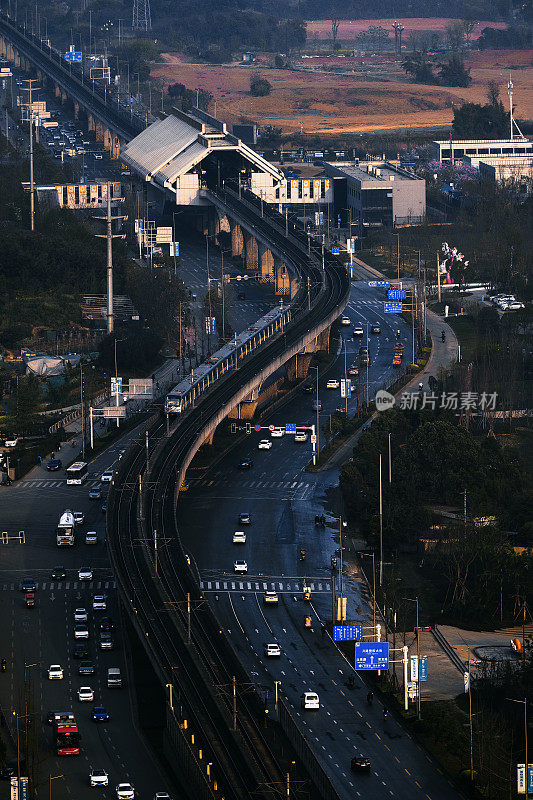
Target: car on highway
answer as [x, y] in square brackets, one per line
[81, 631]
[353, 371]
[12, 442]
[375, 329]
[28, 585]
[86, 668]
[80, 615]
[346, 321]
[55, 672]
[125, 791]
[95, 493]
[98, 156]
[272, 650]
[85, 694]
[358, 330]
[99, 602]
[264, 444]
[80, 650]
[270, 598]
[317, 405]
[100, 714]
[277, 433]
[91, 537]
[30, 599]
[333, 383]
[245, 464]
[162, 796]
[301, 436]
[308, 389]
[106, 624]
[310, 701]
[244, 518]
[106, 641]
[79, 517]
[53, 465]
[98, 777]
[360, 763]
[106, 476]
[58, 574]
[240, 565]
[239, 537]
[85, 574]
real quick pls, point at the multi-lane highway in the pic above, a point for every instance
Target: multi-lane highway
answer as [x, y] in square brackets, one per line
[282, 500]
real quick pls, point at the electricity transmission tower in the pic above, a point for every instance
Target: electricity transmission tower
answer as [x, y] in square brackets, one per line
[142, 17]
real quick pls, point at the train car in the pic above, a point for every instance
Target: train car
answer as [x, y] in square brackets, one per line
[228, 357]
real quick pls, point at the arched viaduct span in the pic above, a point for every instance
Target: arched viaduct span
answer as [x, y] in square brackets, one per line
[187, 650]
[110, 123]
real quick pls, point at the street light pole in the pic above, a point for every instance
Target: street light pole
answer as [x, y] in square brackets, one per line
[380, 525]
[53, 778]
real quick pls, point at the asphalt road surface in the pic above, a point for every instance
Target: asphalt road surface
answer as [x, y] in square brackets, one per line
[282, 500]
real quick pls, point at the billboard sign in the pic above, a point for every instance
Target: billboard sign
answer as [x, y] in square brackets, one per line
[113, 412]
[392, 308]
[371, 655]
[347, 633]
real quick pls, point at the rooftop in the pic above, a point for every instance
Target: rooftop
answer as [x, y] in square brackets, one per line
[378, 172]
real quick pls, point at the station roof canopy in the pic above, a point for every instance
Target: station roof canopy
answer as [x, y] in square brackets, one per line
[174, 145]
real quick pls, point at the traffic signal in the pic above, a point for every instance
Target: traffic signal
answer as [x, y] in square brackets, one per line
[233, 427]
[248, 427]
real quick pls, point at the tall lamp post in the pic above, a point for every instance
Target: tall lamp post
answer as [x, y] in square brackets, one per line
[415, 600]
[317, 416]
[53, 778]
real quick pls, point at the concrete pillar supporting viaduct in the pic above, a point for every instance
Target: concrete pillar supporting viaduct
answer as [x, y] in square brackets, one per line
[252, 252]
[266, 263]
[237, 240]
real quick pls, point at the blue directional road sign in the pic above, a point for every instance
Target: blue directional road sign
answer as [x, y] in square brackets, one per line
[335, 251]
[346, 387]
[379, 284]
[423, 676]
[347, 633]
[530, 779]
[174, 248]
[290, 427]
[392, 308]
[73, 57]
[371, 655]
[397, 294]
[24, 789]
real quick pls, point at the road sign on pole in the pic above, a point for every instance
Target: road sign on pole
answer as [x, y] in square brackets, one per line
[379, 284]
[371, 655]
[112, 412]
[347, 633]
[423, 668]
[397, 294]
[290, 427]
[392, 308]
[24, 789]
[525, 784]
[257, 428]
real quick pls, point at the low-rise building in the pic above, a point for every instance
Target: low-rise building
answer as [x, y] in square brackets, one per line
[455, 149]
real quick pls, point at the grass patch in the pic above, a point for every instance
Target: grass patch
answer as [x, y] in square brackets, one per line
[465, 329]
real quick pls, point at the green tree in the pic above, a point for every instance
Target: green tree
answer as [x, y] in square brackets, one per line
[137, 350]
[454, 73]
[475, 121]
[419, 67]
[26, 406]
[259, 87]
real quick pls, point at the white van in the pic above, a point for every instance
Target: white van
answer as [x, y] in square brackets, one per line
[311, 701]
[114, 678]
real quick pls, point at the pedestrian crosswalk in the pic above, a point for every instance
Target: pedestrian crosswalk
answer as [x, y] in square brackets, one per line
[51, 484]
[255, 585]
[256, 484]
[43, 586]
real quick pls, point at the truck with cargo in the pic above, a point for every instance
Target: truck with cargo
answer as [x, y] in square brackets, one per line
[66, 530]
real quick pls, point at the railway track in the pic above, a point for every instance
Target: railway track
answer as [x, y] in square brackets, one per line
[188, 650]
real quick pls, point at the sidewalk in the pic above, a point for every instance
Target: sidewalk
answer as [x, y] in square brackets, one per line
[442, 355]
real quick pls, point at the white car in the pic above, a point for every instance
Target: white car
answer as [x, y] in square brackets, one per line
[240, 565]
[497, 298]
[106, 476]
[272, 650]
[99, 602]
[264, 444]
[85, 694]
[85, 574]
[310, 700]
[98, 157]
[277, 433]
[55, 672]
[81, 631]
[125, 791]
[345, 321]
[79, 516]
[239, 537]
[161, 796]
[98, 777]
[333, 383]
[317, 405]
[511, 305]
[80, 615]
[300, 436]
[358, 330]
[12, 442]
[270, 597]
[91, 537]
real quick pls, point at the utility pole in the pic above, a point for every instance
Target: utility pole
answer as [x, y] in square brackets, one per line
[109, 236]
[82, 414]
[390, 463]
[380, 525]
[29, 106]
[438, 277]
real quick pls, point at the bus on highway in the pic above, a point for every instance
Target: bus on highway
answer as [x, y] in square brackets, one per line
[66, 734]
[77, 473]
